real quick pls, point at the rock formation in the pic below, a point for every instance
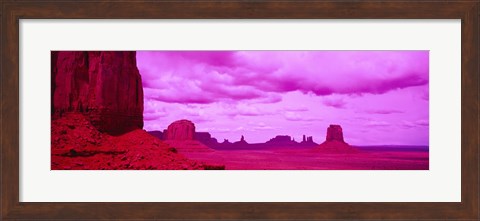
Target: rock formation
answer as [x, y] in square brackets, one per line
[306, 139]
[206, 138]
[241, 142]
[307, 142]
[287, 141]
[180, 130]
[181, 135]
[334, 132]
[157, 134]
[202, 137]
[334, 142]
[281, 139]
[104, 86]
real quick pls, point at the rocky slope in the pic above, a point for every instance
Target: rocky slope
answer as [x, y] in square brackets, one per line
[78, 145]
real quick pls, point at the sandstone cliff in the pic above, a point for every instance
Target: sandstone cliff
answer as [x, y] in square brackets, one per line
[104, 86]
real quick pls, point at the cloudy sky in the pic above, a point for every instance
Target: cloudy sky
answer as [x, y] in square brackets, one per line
[378, 97]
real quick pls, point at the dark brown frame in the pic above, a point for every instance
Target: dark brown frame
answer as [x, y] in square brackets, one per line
[12, 11]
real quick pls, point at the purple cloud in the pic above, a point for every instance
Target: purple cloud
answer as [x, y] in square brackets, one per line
[335, 102]
[417, 123]
[295, 116]
[206, 77]
[383, 111]
[378, 124]
[297, 108]
[290, 92]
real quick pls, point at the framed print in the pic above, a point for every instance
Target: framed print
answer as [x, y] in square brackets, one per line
[239, 110]
[228, 95]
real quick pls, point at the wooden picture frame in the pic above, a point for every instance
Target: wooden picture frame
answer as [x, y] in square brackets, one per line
[12, 11]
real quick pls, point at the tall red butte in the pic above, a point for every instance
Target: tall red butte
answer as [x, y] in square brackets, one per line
[334, 142]
[104, 86]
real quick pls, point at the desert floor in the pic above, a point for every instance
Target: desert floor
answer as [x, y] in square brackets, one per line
[308, 160]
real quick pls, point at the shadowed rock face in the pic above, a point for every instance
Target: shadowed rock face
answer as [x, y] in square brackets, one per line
[180, 130]
[205, 138]
[104, 86]
[334, 132]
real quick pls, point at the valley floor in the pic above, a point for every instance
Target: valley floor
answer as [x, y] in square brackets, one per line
[309, 160]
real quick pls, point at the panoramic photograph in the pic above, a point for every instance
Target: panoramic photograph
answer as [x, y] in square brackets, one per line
[240, 110]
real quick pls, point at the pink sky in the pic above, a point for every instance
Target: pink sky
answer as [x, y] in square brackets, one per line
[378, 97]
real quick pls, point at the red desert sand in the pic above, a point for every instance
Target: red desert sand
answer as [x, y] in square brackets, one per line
[78, 145]
[333, 154]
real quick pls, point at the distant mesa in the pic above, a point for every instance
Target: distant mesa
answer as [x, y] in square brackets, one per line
[205, 138]
[287, 141]
[281, 139]
[183, 131]
[334, 142]
[307, 140]
[182, 136]
[180, 130]
[241, 141]
[278, 142]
